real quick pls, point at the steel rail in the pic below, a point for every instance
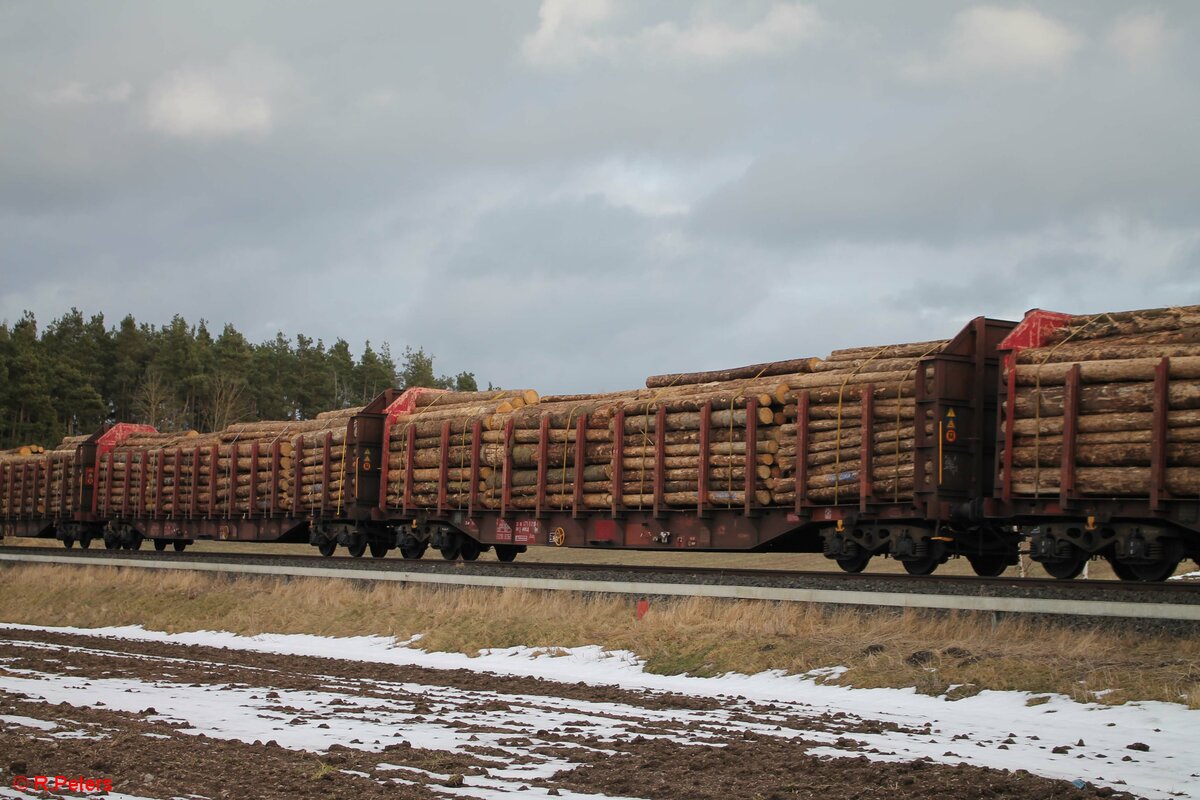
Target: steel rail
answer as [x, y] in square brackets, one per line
[1006, 604]
[904, 581]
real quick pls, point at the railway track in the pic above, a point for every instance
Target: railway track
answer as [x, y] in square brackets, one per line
[1176, 602]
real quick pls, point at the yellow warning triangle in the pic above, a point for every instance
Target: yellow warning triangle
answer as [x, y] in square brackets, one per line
[951, 413]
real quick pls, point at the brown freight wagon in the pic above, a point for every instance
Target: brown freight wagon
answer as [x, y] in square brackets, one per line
[1098, 449]
[469, 483]
[53, 493]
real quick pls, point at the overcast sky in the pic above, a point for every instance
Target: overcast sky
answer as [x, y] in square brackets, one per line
[573, 195]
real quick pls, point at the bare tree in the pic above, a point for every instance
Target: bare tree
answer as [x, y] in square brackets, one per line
[225, 402]
[155, 403]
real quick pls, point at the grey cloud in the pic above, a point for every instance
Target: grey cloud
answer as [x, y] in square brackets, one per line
[421, 181]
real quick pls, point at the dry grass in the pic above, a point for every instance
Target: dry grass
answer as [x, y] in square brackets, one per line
[932, 652]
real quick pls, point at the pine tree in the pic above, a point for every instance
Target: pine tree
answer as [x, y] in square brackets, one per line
[77, 374]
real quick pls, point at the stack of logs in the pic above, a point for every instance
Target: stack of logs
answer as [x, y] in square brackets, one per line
[27, 468]
[249, 467]
[127, 478]
[1118, 356]
[20, 473]
[829, 405]
[454, 413]
[704, 438]
[319, 448]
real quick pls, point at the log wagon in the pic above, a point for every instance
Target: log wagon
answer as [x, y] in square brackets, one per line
[1078, 435]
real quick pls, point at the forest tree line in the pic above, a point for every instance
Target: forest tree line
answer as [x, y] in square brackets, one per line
[74, 374]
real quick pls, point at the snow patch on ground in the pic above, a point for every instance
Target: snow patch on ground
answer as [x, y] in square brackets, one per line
[28, 722]
[970, 730]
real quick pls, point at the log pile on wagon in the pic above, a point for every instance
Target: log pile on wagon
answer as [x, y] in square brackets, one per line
[1106, 366]
[251, 467]
[41, 479]
[723, 434]
[128, 473]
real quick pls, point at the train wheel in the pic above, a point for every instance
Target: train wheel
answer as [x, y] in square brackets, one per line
[326, 547]
[451, 551]
[414, 551]
[358, 548]
[1122, 570]
[179, 545]
[470, 549]
[85, 542]
[506, 552]
[921, 566]
[1158, 571]
[111, 543]
[68, 543]
[160, 544]
[1066, 570]
[854, 564]
[136, 542]
[379, 549]
[988, 566]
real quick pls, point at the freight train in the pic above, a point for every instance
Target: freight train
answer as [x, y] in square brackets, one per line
[1070, 436]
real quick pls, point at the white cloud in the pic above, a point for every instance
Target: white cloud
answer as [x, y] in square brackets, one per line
[1006, 41]
[75, 93]
[563, 34]
[649, 187]
[570, 32]
[238, 98]
[1139, 37]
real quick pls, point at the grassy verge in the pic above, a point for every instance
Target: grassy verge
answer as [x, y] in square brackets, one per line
[957, 655]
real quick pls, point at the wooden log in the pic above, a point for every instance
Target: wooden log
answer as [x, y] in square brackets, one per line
[716, 497]
[460, 413]
[887, 490]
[563, 399]
[851, 393]
[737, 447]
[825, 380]
[1117, 348]
[563, 501]
[1110, 422]
[906, 350]
[1123, 371]
[444, 399]
[1174, 435]
[559, 415]
[691, 420]
[340, 413]
[1183, 454]
[827, 415]
[556, 435]
[646, 463]
[716, 436]
[245, 463]
[1126, 323]
[869, 365]
[719, 401]
[1106, 398]
[750, 371]
[833, 440]
[1101, 481]
[522, 455]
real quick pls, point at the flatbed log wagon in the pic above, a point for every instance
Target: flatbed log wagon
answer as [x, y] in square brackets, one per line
[968, 447]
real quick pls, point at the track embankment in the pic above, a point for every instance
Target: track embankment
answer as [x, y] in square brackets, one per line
[1169, 603]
